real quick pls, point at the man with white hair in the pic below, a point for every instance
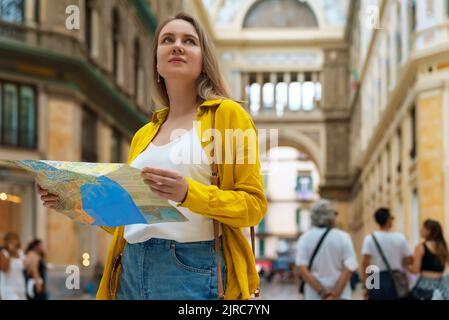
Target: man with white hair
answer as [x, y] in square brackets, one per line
[332, 255]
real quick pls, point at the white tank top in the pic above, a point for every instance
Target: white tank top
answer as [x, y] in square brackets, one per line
[12, 283]
[186, 156]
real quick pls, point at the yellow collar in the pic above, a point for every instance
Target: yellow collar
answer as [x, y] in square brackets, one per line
[159, 115]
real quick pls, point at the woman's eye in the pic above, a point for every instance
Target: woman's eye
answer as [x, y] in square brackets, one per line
[166, 40]
[190, 41]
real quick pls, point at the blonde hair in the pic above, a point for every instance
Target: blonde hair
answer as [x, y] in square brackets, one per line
[211, 84]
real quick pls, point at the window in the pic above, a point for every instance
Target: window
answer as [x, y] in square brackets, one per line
[12, 10]
[304, 186]
[17, 115]
[37, 11]
[89, 136]
[11, 115]
[281, 97]
[88, 26]
[268, 95]
[399, 134]
[116, 147]
[254, 97]
[412, 21]
[298, 217]
[398, 35]
[294, 93]
[136, 66]
[27, 117]
[115, 41]
[413, 132]
[308, 93]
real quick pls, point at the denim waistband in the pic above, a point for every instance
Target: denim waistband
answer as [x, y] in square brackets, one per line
[170, 243]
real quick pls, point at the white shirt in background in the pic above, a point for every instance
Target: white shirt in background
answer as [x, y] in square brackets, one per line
[12, 283]
[394, 246]
[336, 252]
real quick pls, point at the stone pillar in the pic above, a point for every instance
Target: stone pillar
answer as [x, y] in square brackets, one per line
[287, 80]
[260, 81]
[63, 143]
[445, 119]
[301, 90]
[273, 81]
[431, 155]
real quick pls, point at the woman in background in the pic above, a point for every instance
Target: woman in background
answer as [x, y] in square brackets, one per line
[429, 260]
[12, 281]
[36, 271]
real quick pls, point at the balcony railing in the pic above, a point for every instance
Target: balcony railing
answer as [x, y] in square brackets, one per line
[281, 92]
[47, 39]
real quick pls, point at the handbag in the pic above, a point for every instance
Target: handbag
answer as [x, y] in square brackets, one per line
[215, 180]
[399, 278]
[315, 251]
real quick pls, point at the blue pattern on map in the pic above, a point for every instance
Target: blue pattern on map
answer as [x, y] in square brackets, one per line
[109, 196]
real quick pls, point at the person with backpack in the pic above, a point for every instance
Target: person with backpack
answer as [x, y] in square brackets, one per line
[220, 191]
[325, 256]
[385, 254]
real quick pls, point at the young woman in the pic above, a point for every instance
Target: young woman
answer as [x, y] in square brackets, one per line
[12, 281]
[178, 260]
[429, 260]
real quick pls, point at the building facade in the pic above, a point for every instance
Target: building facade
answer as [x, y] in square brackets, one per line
[399, 113]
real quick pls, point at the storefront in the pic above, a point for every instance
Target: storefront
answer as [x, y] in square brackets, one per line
[17, 205]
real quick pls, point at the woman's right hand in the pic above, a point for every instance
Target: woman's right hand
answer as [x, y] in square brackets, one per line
[49, 200]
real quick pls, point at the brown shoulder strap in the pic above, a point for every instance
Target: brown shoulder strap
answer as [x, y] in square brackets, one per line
[215, 180]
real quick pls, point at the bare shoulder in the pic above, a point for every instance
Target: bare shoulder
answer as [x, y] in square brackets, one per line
[32, 257]
[420, 249]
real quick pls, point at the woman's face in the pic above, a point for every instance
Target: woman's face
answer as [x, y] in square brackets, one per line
[424, 232]
[179, 53]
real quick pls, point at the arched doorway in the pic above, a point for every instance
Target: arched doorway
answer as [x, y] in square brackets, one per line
[291, 181]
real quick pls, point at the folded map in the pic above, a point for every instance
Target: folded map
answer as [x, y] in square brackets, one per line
[101, 194]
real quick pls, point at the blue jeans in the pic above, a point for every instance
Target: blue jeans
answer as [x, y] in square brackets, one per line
[160, 269]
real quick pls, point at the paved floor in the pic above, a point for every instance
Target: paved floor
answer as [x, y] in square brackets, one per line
[283, 290]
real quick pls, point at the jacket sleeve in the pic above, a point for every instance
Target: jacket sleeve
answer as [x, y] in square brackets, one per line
[245, 205]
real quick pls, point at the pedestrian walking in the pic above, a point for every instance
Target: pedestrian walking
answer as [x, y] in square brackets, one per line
[36, 271]
[429, 260]
[12, 281]
[389, 252]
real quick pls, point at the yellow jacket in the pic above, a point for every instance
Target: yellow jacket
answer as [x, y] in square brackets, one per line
[240, 202]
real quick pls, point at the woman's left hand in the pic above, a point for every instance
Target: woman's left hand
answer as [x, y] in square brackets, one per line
[165, 183]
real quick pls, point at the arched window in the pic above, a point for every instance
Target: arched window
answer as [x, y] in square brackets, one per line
[281, 97]
[268, 95]
[136, 66]
[115, 40]
[280, 14]
[254, 97]
[294, 93]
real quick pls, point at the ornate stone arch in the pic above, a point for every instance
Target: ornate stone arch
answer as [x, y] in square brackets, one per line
[302, 142]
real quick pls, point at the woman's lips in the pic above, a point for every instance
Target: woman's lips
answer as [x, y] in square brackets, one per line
[176, 61]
